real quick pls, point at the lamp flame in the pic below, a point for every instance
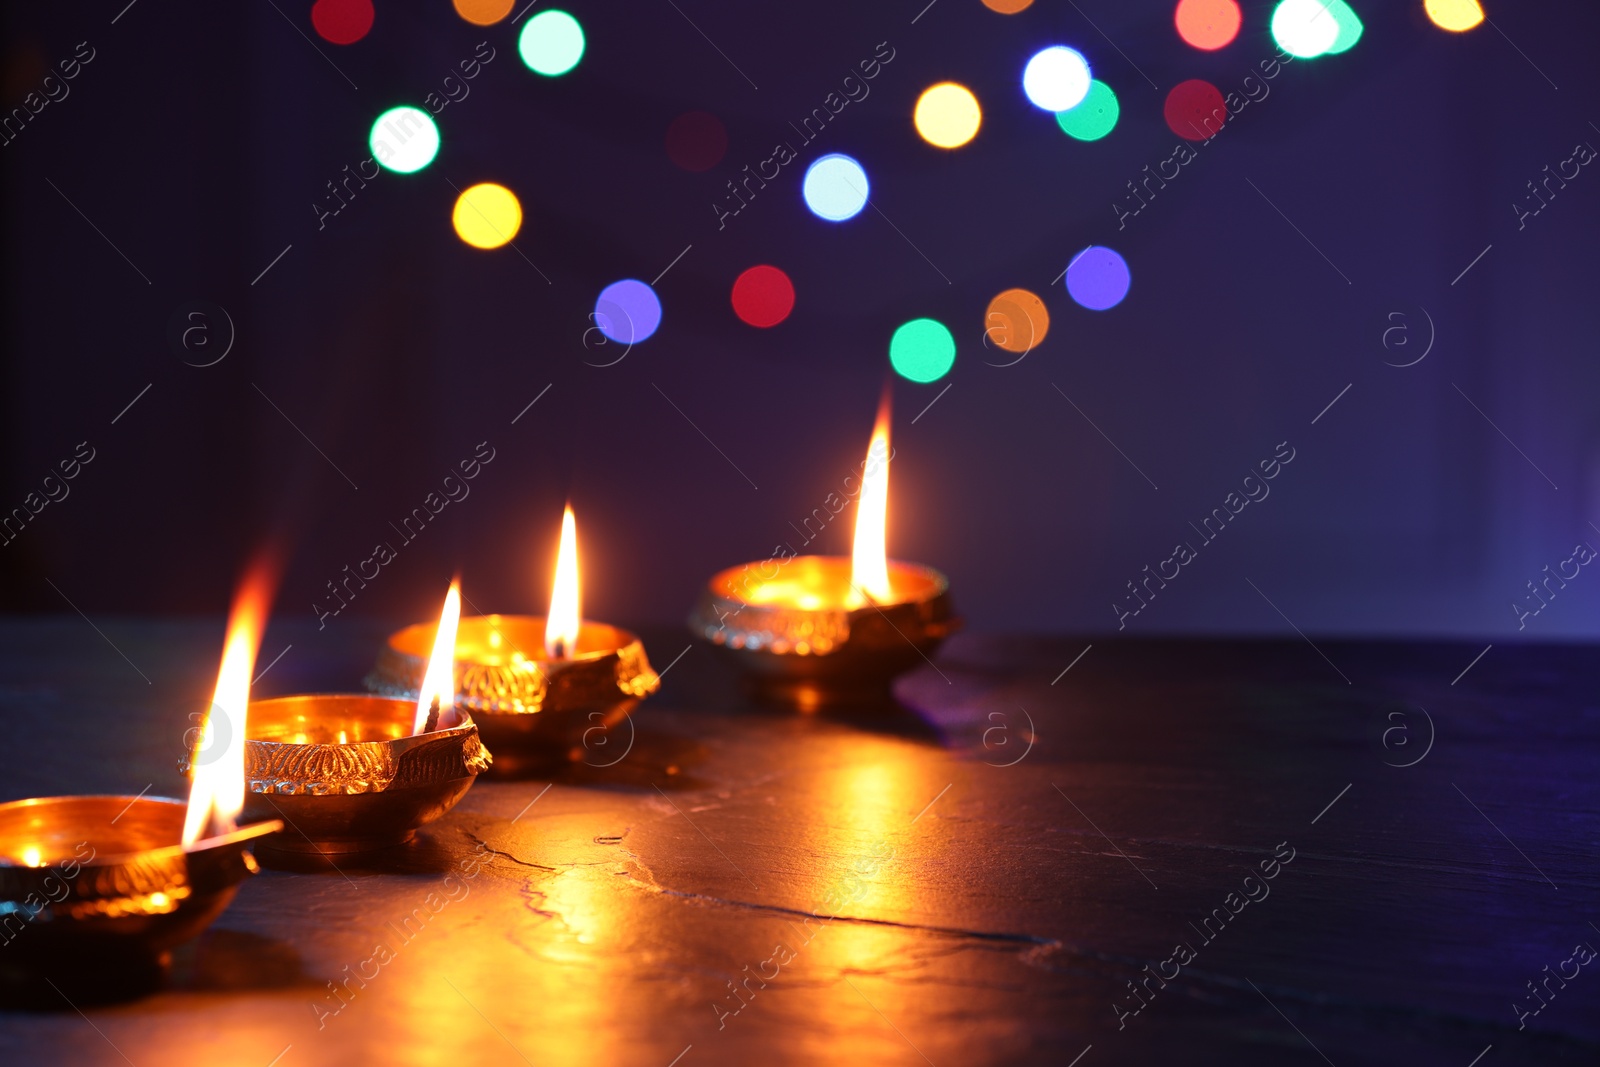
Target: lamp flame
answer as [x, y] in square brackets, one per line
[565, 619]
[217, 795]
[436, 700]
[869, 560]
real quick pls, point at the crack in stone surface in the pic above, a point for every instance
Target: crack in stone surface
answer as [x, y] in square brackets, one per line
[778, 909]
[502, 852]
[1049, 954]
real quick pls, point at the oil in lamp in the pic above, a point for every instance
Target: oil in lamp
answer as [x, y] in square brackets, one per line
[96, 891]
[537, 686]
[815, 632]
[352, 773]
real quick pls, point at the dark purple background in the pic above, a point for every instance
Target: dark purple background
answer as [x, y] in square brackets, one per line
[201, 134]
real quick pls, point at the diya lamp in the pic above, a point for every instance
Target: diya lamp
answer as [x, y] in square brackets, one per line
[354, 773]
[96, 891]
[815, 632]
[539, 687]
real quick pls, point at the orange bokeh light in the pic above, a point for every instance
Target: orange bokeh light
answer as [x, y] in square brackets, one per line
[1207, 24]
[483, 12]
[1016, 321]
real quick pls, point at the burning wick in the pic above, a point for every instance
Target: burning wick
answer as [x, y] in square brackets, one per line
[562, 624]
[436, 699]
[217, 795]
[869, 558]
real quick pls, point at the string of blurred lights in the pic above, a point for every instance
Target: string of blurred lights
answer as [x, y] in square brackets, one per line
[835, 187]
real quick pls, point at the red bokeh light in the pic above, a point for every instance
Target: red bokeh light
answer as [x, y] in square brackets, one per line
[763, 296]
[697, 141]
[342, 21]
[1195, 110]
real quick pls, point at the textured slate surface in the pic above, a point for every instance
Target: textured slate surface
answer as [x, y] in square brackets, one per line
[920, 886]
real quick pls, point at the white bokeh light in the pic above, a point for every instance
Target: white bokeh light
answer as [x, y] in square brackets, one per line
[1304, 28]
[835, 187]
[1056, 79]
[404, 140]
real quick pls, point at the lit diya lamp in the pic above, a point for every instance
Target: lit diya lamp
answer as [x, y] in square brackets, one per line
[354, 773]
[821, 631]
[543, 690]
[95, 891]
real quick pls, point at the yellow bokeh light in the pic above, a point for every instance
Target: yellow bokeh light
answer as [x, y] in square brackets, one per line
[1454, 15]
[483, 12]
[947, 115]
[487, 215]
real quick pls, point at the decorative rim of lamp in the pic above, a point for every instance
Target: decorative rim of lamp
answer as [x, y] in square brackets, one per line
[138, 879]
[923, 616]
[610, 666]
[323, 768]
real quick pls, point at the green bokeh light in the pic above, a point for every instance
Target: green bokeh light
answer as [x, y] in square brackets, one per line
[1350, 27]
[922, 350]
[551, 43]
[1095, 117]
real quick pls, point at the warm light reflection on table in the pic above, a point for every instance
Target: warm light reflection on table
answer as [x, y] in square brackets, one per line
[558, 983]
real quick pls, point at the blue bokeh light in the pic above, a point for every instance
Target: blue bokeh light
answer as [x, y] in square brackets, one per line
[627, 311]
[1098, 278]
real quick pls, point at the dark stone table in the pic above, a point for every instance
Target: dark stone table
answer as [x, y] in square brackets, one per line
[1174, 852]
